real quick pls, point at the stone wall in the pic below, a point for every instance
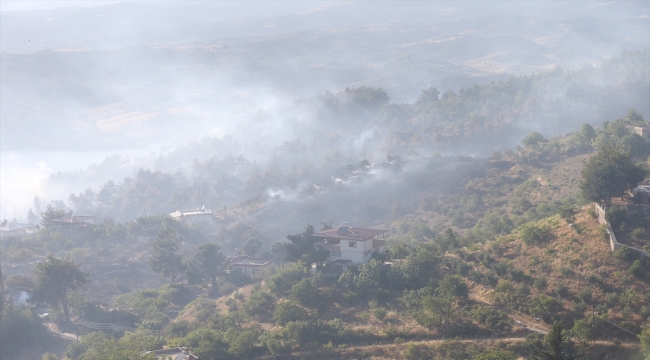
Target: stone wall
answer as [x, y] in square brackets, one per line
[613, 243]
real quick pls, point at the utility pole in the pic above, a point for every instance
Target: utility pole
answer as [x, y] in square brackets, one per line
[145, 212]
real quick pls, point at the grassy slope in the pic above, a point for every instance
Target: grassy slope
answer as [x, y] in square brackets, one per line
[568, 258]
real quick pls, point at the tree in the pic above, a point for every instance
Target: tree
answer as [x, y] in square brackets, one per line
[608, 174]
[301, 244]
[496, 354]
[49, 356]
[54, 277]
[163, 259]
[279, 250]
[208, 262]
[252, 247]
[306, 293]
[50, 214]
[31, 216]
[645, 339]
[533, 139]
[557, 346]
[288, 311]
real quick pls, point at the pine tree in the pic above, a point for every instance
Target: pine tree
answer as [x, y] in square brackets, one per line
[557, 346]
[164, 258]
[54, 277]
[208, 263]
[50, 214]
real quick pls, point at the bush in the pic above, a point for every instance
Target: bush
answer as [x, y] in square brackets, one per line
[592, 278]
[288, 311]
[611, 298]
[493, 319]
[616, 216]
[579, 306]
[624, 254]
[540, 283]
[380, 313]
[516, 274]
[639, 233]
[285, 278]
[227, 289]
[592, 212]
[637, 269]
[535, 235]
[585, 295]
[260, 302]
[562, 290]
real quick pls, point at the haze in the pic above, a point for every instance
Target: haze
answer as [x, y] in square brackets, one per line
[427, 155]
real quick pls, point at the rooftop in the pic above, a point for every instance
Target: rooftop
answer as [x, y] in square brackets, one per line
[348, 233]
[13, 226]
[74, 219]
[191, 212]
[243, 260]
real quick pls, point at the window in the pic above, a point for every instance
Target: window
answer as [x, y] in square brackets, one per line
[335, 253]
[352, 244]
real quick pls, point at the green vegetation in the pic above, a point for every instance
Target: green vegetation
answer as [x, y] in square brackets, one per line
[54, 279]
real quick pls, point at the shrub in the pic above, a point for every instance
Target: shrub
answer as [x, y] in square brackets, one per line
[585, 295]
[638, 233]
[567, 211]
[616, 216]
[516, 274]
[493, 319]
[540, 283]
[535, 235]
[624, 254]
[365, 315]
[562, 290]
[238, 295]
[380, 313]
[414, 352]
[592, 278]
[260, 302]
[579, 306]
[616, 341]
[288, 311]
[637, 269]
[592, 212]
[604, 234]
[227, 289]
[611, 298]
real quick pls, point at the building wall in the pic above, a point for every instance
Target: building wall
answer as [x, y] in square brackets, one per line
[249, 270]
[360, 254]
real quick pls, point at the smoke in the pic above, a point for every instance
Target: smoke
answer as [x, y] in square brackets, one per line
[93, 94]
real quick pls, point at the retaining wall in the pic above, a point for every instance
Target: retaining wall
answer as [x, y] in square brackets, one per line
[613, 243]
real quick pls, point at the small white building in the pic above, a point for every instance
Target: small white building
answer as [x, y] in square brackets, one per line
[193, 215]
[13, 229]
[347, 245]
[250, 266]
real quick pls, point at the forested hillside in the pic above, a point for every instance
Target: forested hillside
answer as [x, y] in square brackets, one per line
[478, 247]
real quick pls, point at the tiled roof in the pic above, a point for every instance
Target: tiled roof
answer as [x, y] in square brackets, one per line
[351, 234]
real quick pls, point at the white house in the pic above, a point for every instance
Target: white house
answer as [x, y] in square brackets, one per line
[192, 215]
[348, 245]
[250, 266]
[12, 229]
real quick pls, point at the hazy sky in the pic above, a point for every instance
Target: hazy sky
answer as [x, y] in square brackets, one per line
[17, 5]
